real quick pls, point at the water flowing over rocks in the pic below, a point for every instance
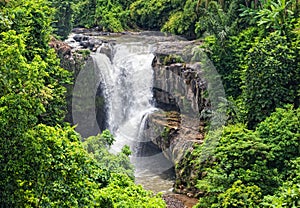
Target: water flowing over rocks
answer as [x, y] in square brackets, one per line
[179, 91]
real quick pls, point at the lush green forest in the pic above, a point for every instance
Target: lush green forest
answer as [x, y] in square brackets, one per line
[255, 47]
[43, 162]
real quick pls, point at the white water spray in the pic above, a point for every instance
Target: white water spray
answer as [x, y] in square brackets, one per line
[127, 81]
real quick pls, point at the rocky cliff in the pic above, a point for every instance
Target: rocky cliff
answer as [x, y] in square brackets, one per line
[180, 92]
[75, 59]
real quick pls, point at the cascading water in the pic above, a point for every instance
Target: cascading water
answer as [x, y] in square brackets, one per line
[126, 77]
[127, 81]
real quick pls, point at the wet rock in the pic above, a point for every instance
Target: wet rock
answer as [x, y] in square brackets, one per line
[174, 133]
[179, 91]
[88, 42]
[60, 47]
[174, 47]
[72, 61]
[80, 37]
[180, 87]
[107, 49]
[80, 30]
[84, 44]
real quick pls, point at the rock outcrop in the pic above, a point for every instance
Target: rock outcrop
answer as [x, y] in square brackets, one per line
[180, 91]
[74, 59]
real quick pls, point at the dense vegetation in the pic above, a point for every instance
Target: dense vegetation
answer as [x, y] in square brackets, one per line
[254, 45]
[43, 162]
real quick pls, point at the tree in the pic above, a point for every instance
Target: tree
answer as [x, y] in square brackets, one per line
[63, 17]
[48, 167]
[240, 195]
[23, 92]
[32, 19]
[98, 147]
[122, 192]
[44, 164]
[271, 77]
[32, 22]
[182, 22]
[282, 132]
[107, 15]
[218, 21]
[84, 13]
[239, 158]
[152, 14]
[276, 16]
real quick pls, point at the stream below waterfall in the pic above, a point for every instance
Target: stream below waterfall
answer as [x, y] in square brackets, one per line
[124, 73]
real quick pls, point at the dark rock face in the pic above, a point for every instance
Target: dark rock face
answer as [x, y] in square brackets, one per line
[62, 49]
[81, 37]
[101, 109]
[179, 91]
[107, 49]
[71, 61]
[74, 62]
[164, 100]
[174, 133]
[180, 87]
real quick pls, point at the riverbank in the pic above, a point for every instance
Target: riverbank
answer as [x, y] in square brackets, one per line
[179, 201]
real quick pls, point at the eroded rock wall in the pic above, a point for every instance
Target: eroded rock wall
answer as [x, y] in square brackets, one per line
[180, 93]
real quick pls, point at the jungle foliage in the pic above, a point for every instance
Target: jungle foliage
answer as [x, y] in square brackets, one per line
[254, 45]
[255, 168]
[255, 48]
[43, 161]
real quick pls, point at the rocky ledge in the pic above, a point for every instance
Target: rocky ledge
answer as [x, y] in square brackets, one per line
[180, 92]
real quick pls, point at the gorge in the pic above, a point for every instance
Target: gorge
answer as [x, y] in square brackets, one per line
[146, 89]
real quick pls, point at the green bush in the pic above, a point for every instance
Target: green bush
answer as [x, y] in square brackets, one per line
[47, 167]
[240, 195]
[271, 77]
[112, 16]
[182, 22]
[42, 163]
[98, 148]
[240, 155]
[122, 192]
[151, 14]
[252, 164]
[281, 131]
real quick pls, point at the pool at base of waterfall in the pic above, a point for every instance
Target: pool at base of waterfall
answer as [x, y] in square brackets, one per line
[155, 183]
[152, 170]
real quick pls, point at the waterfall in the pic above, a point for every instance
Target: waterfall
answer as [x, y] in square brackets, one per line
[127, 79]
